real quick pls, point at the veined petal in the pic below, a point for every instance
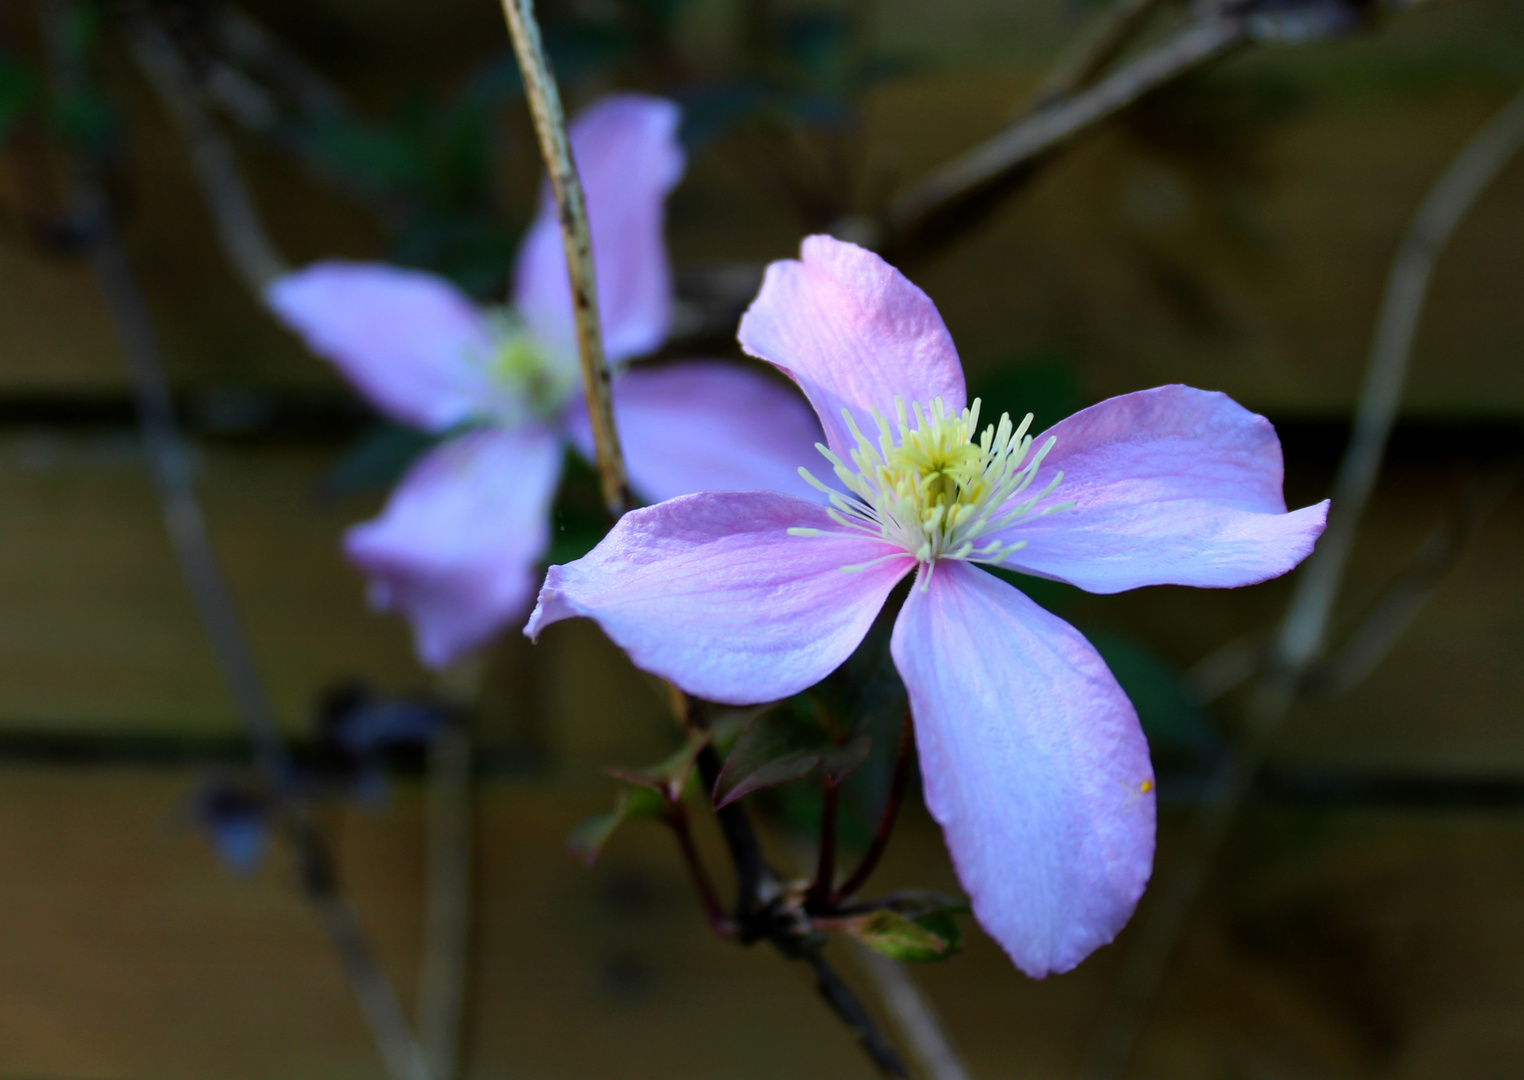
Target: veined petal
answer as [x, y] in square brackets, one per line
[707, 425]
[1032, 762]
[409, 341]
[628, 157]
[854, 333]
[455, 548]
[1171, 486]
[711, 592]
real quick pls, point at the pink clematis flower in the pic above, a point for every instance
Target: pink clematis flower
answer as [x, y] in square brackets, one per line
[1031, 755]
[457, 545]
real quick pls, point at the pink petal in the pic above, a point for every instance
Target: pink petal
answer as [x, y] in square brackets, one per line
[1172, 486]
[1033, 763]
[409, 341]
[705, 425]
[456, 547]
[711, 592]
[854, 333]
[628, 156]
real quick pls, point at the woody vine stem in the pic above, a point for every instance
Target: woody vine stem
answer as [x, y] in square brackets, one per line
[571, 209]
[758, 915]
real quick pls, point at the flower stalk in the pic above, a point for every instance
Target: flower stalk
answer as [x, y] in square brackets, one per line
[571, 208]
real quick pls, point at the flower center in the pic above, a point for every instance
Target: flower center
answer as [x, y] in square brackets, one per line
[934, 490]
[522, 369]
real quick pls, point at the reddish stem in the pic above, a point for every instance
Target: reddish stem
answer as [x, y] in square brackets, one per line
[819, 894]
[859, 877]
[677, 818]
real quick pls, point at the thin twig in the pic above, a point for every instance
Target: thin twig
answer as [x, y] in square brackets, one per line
[249, 40]
[1405, 597]
[949, 202]
[709, 899]
[187, 529]
[859, 877]
[759, 915]
[445, 969]
[845, 1004]
[400, 1052]
[1467, 177]
[1097, 46]
[955, 195]
[919, 1025]
[243, 236]
[1302, 632]
[566, 187]
[1227, 667]
[174, 484]
[819, 894]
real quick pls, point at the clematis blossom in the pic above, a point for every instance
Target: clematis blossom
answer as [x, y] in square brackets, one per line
[457, 546]
[1032, 757]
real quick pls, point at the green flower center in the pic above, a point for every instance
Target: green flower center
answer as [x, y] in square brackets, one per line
[523, 369]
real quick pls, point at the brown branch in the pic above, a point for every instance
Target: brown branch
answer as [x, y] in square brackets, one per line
[759, 912]
[1406, 596]
[1100, 43]
[845, 1004]
[243, 236]
[566, 186]
[961, 193]
[95, 232]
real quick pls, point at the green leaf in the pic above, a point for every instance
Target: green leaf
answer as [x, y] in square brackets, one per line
[841, 762]
[919, 940]
[775, 748]
[667, 778]
[588, 838]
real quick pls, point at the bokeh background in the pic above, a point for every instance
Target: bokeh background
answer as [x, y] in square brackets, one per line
[1232, 233]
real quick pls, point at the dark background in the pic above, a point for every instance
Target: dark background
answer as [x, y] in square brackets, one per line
[1233, 234]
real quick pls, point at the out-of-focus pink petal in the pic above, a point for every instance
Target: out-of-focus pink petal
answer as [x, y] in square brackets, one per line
[711, 592]
[456, 546]
[707, 425]
[1033, 763]
[628, 157]
[854, 333]
[411, 342]
[1171, 486]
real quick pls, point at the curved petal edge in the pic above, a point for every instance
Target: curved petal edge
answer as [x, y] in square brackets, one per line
[1169, 486]
[712, 592]
[1033, 763]
[854, 333]
[456, 547]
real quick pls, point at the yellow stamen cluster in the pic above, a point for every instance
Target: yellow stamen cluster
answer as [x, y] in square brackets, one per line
[932, 488]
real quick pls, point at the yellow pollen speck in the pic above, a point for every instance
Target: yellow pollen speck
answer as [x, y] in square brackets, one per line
[936, 486]
[1146, 786]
